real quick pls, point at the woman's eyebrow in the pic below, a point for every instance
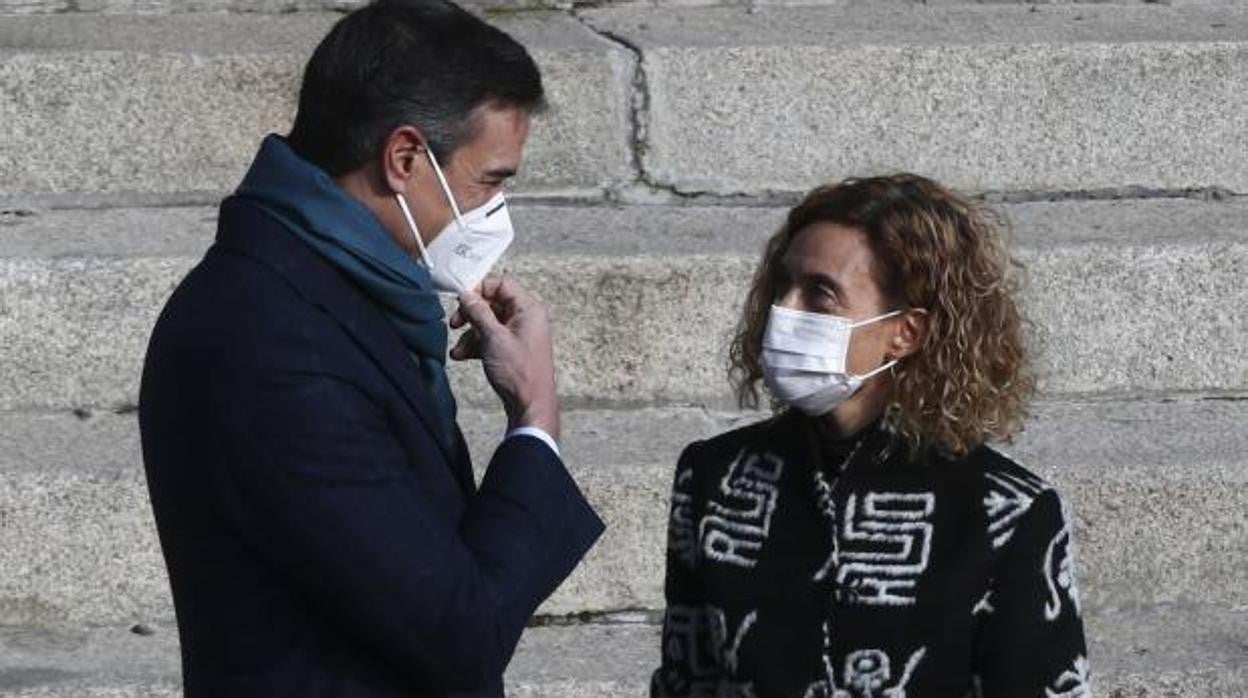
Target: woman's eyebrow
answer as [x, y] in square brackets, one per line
[824, 279]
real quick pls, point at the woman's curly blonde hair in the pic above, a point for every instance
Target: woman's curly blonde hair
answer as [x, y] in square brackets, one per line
[935, 249]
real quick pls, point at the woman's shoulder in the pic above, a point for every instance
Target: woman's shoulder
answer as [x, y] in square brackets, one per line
[1014, 497]
[1000, 470]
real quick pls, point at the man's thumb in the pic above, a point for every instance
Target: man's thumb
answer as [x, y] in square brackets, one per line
[478, 312]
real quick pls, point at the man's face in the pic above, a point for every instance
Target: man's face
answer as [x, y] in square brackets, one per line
[477, 170]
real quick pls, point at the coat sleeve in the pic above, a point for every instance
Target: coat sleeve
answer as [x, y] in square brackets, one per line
[1031, 640]
[688, 650]
[319, 484]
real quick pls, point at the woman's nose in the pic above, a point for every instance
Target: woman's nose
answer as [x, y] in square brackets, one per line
[791, 298]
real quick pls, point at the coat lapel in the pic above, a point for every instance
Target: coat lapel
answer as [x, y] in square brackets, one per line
[249, 230]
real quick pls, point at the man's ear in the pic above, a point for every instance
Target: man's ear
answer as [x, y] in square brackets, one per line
[911, 333]
[403, 157]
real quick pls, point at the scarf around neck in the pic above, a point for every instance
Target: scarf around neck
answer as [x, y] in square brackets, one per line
[311, 205]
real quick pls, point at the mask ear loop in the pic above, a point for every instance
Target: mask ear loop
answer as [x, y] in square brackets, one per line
[411, 225]
[875, 371]
[879, 369]
[877, 318]
[446, 187]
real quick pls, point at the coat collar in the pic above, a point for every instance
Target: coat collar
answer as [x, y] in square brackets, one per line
[869, 451]
[247, 229]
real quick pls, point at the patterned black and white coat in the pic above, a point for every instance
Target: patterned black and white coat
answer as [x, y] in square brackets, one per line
[798, 568]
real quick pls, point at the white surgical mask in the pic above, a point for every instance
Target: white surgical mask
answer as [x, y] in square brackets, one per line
[468, 247]
[804, 358]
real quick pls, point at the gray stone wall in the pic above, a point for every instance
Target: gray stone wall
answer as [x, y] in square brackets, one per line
[284, 6]
[1112, 135]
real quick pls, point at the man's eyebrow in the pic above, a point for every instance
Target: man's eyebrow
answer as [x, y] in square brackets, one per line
[500, 173]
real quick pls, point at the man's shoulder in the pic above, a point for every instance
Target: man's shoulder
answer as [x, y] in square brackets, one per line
[253, 269]
[233, 313]
[228, 293]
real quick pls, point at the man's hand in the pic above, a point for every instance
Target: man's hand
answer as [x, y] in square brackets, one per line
[510, 333]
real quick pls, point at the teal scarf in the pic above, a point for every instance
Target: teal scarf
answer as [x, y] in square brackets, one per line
[304, 198]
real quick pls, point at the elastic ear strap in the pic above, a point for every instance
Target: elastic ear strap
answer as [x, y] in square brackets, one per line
[411, 224]
[446, 188]
[877, 318]
[871, 374]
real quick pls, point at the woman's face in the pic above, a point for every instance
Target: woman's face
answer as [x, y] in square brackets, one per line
[829, 269]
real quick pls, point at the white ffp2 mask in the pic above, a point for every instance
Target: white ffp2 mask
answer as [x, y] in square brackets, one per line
[804, 357]
[470, 244]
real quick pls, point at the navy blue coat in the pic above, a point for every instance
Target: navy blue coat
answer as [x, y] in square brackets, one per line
[320, 539]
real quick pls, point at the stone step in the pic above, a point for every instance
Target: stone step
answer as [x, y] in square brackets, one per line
[32, 7]
[1175, 651]
[1158, 490]
[125, 7]
[19, 7]
[175, 106]
[1126, 297]
[724, 100]
[743, 100]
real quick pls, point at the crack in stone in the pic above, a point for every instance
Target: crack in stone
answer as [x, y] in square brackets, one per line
[1127, 193]
[646, 187]
[640, 116]
[625, 616]
[639, 109]
[1224, 398]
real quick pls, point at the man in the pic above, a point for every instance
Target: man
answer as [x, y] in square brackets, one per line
[314, 497]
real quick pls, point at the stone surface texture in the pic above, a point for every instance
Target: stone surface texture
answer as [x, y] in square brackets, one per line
[177, 105]
[1124, 297]
[1157, 519]
[1191, 651]
[985, 98]
[679, 133]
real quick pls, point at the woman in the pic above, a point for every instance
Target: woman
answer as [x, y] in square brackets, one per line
[865, 542]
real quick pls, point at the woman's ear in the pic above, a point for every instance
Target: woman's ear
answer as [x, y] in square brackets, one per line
[911, 332]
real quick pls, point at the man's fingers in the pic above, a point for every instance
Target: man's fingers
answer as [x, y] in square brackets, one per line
[509, 298]
[490, 285]
[505, 291]
[478, 312]
[468, 346]
[459, 317]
